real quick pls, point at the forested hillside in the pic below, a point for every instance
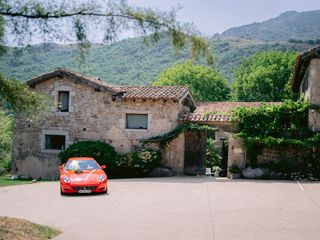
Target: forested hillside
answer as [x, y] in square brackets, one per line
[129, 61]
[289, 25]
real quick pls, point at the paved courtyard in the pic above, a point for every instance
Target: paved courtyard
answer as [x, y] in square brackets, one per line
[176, 208]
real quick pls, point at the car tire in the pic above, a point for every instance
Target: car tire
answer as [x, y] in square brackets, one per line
[62, 193]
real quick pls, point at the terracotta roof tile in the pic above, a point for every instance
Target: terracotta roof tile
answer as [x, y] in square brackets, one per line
[150, 92]
[217, 112]
[62, 72]
[125, 92]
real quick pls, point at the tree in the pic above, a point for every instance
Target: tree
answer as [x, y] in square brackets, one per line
[83, 21]
[16, 96]
[205, 83]
[265, 77]
[6, 134]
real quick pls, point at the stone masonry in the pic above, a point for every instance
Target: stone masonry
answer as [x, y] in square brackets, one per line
[93, 115]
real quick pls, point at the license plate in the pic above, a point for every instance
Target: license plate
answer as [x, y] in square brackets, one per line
[84, 191]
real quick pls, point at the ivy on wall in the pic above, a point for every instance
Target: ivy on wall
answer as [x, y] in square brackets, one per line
[275, 126]
[165, 139]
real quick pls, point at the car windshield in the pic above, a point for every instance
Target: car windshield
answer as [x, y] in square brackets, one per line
[81, 165]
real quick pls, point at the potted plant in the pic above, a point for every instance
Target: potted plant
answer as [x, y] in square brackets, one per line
[235, 171]
[216, 171]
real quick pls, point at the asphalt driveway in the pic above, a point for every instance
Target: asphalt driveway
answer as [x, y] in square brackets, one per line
[173, 208]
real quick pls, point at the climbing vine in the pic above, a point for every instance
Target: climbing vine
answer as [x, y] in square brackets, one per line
[278, 126]
[165, 139]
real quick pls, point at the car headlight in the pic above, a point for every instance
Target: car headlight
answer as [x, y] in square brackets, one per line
[66, 179]
[101, 178]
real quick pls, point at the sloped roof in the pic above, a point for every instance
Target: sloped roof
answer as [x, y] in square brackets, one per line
[302, 63]
[175, 93]
[217, 113]
[150, 92]
[63, 72]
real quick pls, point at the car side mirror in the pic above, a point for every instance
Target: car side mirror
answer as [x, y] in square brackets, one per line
[61, 167]
[103, 166]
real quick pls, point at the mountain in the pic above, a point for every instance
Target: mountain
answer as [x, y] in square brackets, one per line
[289, 25]
[131, 62]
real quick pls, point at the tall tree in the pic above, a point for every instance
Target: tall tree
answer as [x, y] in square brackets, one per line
[82, 22]
[16, 96]
[205, 83]
[265, 77]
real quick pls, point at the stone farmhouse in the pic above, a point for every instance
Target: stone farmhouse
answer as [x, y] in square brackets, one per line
[306, 83]
[89, 109]
[86, 108]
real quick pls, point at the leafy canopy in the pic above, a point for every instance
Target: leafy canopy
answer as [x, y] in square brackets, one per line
[205, 83]
[6, 135]
[283, 128]
[16, 96]
[265, 77]
[100, 151]
[87, 21]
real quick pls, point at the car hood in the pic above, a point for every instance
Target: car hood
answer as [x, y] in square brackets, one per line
[87, 176]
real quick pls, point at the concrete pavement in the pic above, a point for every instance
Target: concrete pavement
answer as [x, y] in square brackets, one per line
[173, 208]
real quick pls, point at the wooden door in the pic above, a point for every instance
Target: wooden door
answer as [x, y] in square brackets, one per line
[195, 153]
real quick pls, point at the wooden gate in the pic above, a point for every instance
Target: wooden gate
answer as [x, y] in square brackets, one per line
[195, 153]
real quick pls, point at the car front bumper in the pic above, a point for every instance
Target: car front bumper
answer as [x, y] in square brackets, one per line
[83, 188]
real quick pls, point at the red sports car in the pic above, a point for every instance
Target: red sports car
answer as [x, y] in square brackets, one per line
[83, 175]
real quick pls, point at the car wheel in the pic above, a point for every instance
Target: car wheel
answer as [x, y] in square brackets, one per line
[62, 193]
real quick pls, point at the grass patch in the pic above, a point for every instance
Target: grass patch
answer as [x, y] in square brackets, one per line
[20, 229]
[6, 181]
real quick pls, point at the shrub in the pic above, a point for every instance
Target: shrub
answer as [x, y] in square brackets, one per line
[101, 151]
[213, 158]
[139, 163]
[234, 169]
[6, 135]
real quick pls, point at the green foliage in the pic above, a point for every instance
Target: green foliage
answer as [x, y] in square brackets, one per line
[165, 139]
[265, 77]
[128, 62]
[272, 120]
[135, 164]
[234, 169]
[283, 128]
[17, 96]
[100, 151]
[6, 138]
[212, 158]
[138, 164]
[108, 18]
[205, 83]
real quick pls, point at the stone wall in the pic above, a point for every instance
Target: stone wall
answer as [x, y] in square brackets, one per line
[310, 89]
[236, 152]
[92, 115]
[173, 155]
[275, 155]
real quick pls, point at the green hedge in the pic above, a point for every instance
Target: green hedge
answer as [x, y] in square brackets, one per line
[139, 163]
[101, 151]
[136, 164]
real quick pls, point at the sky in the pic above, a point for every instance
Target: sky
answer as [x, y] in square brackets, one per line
[208, 16]
[211, 16]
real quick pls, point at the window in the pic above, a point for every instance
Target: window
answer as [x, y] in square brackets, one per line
[63, 101]
[56, 142]
[137, 121]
